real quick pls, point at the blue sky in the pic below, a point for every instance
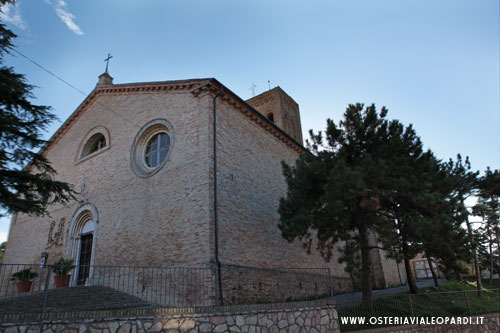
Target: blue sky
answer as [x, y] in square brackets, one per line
[432, 63]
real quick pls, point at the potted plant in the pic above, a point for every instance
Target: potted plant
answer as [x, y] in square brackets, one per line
[23, 279]
[61, 269]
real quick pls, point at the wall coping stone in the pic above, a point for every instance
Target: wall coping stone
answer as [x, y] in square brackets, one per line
[152, 313]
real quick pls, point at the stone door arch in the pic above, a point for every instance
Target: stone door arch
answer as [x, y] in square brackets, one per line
[82, 236]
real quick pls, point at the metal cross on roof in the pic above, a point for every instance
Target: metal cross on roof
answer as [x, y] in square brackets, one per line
[107, 61]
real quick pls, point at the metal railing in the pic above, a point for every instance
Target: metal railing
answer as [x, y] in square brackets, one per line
[423, 305]
[92, 288]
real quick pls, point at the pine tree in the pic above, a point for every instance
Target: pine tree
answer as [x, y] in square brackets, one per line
[430, 214]
[465, 185]
[27, 181]
[358, 179]
[488, 208]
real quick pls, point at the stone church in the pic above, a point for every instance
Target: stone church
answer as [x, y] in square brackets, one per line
[163, 183]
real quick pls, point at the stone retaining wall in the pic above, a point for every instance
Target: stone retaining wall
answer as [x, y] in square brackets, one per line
[305, 319]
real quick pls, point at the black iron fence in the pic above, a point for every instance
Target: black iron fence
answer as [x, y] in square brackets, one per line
[425, 305]
[35, 289]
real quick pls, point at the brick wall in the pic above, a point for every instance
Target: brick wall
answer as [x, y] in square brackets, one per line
[246, 285]
[284, 109]
[251, 183]
[160, 220]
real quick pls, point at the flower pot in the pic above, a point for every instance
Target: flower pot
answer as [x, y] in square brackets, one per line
[62, 281]
[23, 286]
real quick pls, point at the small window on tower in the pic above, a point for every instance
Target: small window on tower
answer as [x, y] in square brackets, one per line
[270, 116]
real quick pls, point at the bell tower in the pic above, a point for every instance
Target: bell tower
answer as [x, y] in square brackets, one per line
[277, 106]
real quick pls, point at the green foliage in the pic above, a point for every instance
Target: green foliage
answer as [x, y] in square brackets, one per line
[488, 208]
[335, 189]
[489, 184]
[365, 174]
[368, 173]
[63, 266]
[26, 178]
[428, 303]
[3, 246]
[24, 276]
[3, 2]
[436, 221]
[350, 257]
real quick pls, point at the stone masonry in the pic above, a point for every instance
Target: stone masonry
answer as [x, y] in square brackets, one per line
[307, 319]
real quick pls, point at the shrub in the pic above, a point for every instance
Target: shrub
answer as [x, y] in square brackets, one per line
[63, 266]
[24, 276]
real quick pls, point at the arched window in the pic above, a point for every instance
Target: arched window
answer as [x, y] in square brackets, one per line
[94, 144]
[270, 116]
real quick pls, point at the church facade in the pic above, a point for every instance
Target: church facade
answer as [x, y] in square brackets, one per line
[160, 183]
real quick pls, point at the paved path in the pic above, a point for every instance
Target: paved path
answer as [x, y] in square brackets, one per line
[355, 298]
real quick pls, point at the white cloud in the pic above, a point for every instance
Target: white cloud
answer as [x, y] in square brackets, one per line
[69, 19]
[11, 14]
[3, 237]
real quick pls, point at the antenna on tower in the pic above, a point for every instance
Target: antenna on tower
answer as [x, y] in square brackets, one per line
[252, 88]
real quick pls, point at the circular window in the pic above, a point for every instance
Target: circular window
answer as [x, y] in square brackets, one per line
[152, 147]
[157, 149]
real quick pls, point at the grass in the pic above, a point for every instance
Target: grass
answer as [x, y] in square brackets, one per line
[454, 285]
[451, 300]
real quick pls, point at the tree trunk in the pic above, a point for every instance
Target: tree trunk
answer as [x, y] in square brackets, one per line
[478, 275]
[353, 281]
[476, 259]
[498, 249]
[399, 273]
[490, 244]
[458, 275]
[366, 268]
[433, 272]
[397, 266]
[404, 247]
[409, 275]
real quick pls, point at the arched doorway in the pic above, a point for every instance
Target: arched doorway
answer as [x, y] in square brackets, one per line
[85, 251]
[82, 245]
